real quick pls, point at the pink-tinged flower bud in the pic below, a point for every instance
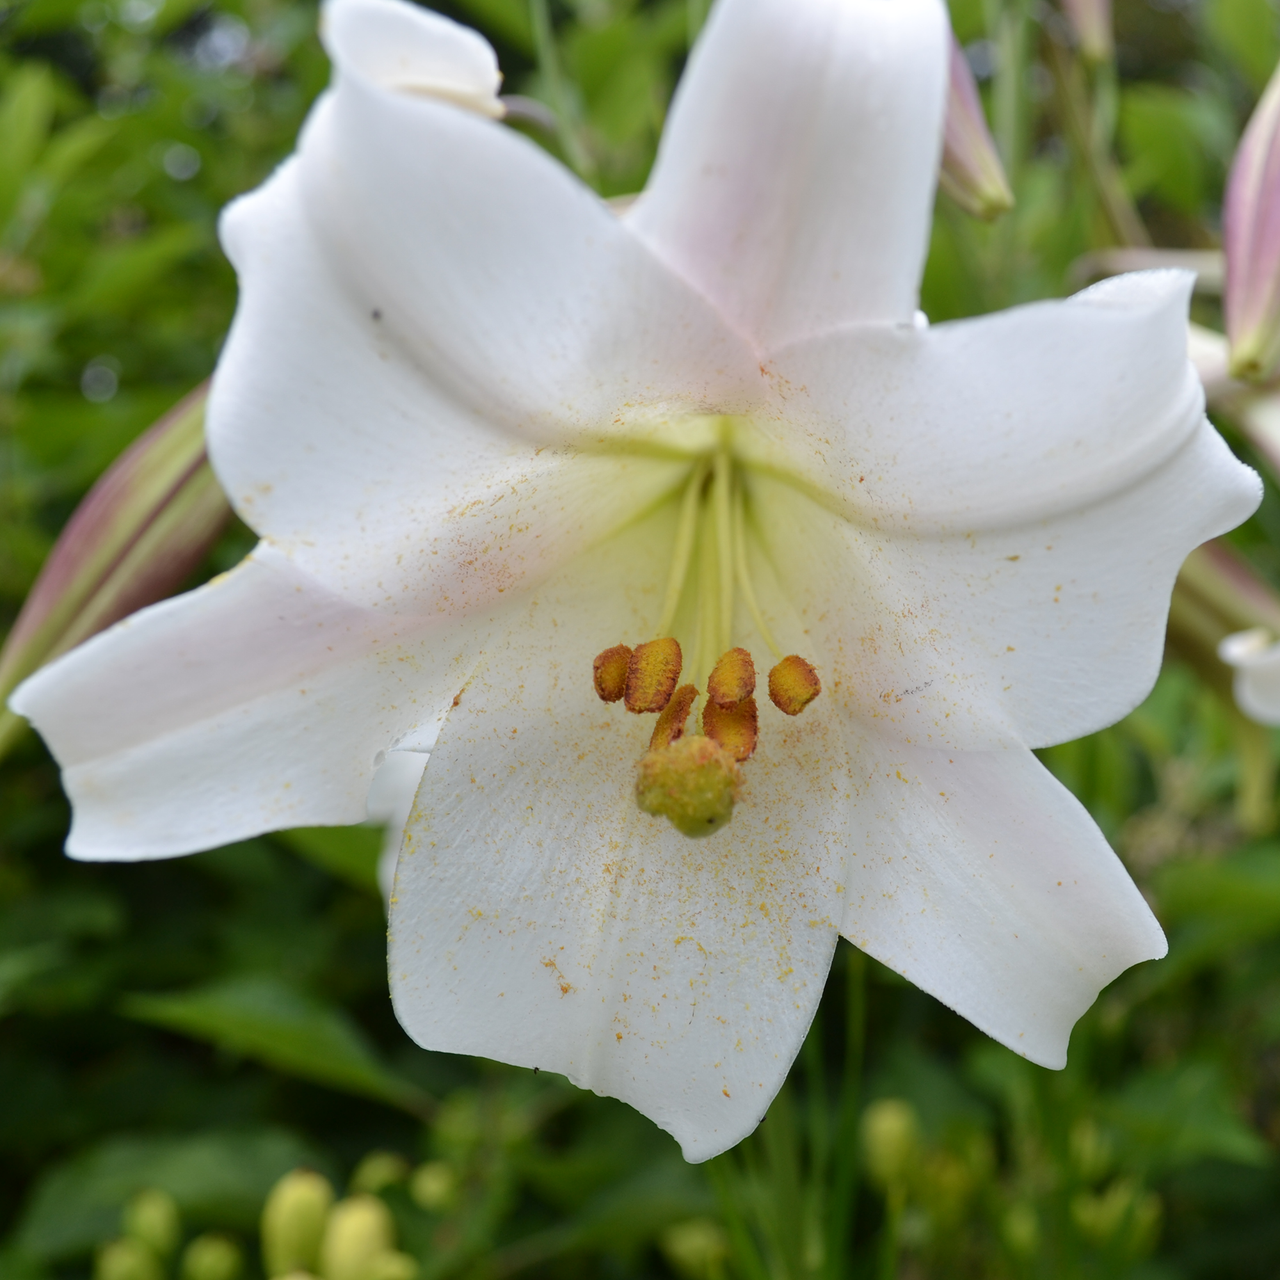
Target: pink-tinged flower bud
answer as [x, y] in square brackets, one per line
[1091, 24]
[139, 532]
[1251, 234]
[972, 174]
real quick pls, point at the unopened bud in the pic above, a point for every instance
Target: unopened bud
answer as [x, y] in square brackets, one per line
[433, 1186]
[1251, 239]
[693, 783]
[212, 1257]
[379, 1170]
[890, 1138]
[696, 1249]
[137, 535]
[971, 174]
[293, 1222]
[151, 1217]
[1091, 24]
[359, 1228]
[127, 1259]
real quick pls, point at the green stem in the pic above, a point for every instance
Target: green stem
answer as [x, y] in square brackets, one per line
[842, 1203]
[1256, 777]
[544, 40]
[726, 1186]
[894, 1204]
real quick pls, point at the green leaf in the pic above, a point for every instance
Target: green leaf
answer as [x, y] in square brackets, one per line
[263, 1018]
[26, 111]
[350, 853]
[1246, 31]
[218, 1178]
[503, 19]
[1178, 1115]
[119, 275]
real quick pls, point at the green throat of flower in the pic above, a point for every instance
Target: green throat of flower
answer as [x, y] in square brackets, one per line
[692, 779]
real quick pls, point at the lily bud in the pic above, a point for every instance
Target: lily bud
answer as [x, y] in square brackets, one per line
[696, 1249]
[139, 532]
[1091, 24]
[379, 1170]
[972, 174]
[293, 1222]
[211, 1257]
[127, 1259]
[890, 1138]
[359, 1230]
[1251, 236]
[151, 1218]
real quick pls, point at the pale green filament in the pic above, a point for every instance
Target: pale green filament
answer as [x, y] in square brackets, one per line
[712, 520]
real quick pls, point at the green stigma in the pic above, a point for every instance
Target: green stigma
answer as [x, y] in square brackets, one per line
[692, 783]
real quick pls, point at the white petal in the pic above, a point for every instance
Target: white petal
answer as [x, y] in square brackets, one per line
[505, 278]
[258, 702]
[1256, 684]
[794, 183]
[405, 49]
[540, 918]
[1008, 418]
[389, 803]
[1029, 634]
[333, 442]
[984, 881]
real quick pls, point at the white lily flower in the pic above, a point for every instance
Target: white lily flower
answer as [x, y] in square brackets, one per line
[488, 430]
[1255, 657]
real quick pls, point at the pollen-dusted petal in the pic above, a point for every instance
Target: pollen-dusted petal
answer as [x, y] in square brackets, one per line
[692, 783]
[670, 726]
[609, 670]
[734, 728]
[793, 684]
[652, 674]
[732, 678]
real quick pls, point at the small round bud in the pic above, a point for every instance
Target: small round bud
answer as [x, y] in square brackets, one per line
[151, 1217]
[890, 1138]
[358, 1229]
[652, 674]
[609, 672]
[793, 684]
[127, 1259]
[433, 1186]
[692, 783]
[293, 1221]
[212, 1257]
[696, 1249]
[379, 1170]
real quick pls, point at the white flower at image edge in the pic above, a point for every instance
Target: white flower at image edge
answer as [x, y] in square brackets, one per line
[486, 429]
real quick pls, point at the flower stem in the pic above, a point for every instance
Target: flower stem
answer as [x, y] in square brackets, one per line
[842, 1205]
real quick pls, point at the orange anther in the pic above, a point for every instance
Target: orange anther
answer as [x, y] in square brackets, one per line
[732, 678]
[670, 724]
[610, 672]
[652, 673]
[735, 728]
[793, 684]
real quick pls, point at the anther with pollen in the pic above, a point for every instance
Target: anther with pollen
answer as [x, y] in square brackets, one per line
[793, 684]
[653, 670]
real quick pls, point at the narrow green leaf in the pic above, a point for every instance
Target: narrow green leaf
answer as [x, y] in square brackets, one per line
[350, 853]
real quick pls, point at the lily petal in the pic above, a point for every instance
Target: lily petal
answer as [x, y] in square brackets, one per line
[258, 702]
[794, 182]
[333, 442]
[539, 918]
[985, 882]
[507, 280]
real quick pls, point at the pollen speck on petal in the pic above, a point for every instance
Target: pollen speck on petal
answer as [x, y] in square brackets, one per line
[652, 674]
[609, 671]
[735, 728]
[670, 726]
[793, 684]
[732, 678]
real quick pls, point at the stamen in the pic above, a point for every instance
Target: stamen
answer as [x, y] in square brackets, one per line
[692, 783]
[744, 576]
[652, 674]
[685, 531]
[610, 672]
[670, 726]
[735, 728]
[793, 684]
[724, 546]
[732, 678]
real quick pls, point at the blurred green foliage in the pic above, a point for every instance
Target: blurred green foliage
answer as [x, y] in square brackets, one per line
[205, 1025]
